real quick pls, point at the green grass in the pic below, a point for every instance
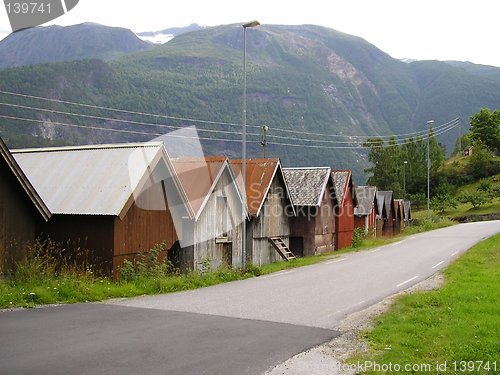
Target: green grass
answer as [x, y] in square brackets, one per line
[72, 287]
[36, 286]
[458, 322]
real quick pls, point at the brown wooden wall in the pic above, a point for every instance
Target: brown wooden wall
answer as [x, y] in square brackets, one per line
[87, 238]
[147, 223]
[316, 226]
[345, 221]
[18, 217]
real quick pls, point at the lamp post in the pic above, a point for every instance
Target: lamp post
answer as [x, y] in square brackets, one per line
[404, 177]
[244, 145]
[429, 124]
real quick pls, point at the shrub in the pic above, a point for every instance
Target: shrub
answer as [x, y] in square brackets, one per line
[358, 237]
[149, 264]
[475, 198]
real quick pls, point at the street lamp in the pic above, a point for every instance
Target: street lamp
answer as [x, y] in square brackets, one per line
[429, 124]
[244, 143]
[404, 177]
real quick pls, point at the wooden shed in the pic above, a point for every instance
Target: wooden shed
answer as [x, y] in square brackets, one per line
[106, 199]
[21, 209]
[399, 217]
[389, 210]
[345, 202]
[408, 217]
[381, 214]
[211, 229]
[269, 207]
[313, 196]
[366, 210]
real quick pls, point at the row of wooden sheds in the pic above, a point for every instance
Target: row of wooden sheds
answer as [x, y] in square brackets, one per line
[117, 201]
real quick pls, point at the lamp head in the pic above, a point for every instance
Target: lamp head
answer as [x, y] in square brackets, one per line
[251, 24]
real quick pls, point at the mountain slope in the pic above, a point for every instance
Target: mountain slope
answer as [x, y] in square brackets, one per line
[57, 43]
[306, 79]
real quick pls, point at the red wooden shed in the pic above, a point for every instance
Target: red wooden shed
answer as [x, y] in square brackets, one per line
[345, 202]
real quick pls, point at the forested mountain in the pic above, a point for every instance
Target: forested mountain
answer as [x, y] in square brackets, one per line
[56, 43]
[307, 79]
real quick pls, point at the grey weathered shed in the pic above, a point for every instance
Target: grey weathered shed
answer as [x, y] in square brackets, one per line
[211, 226]
[312, 193]
[269, 207]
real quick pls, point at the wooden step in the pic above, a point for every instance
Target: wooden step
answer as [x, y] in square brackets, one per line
[281, 248]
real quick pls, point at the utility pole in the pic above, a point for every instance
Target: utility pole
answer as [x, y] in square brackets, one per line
[429, 124]
[265, 128]
[460, 135]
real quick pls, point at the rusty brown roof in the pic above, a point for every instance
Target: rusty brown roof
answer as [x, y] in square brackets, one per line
[198, 176]
[260, 174]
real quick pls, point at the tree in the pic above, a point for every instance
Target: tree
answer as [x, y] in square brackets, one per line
[485, 129]
[386, 165]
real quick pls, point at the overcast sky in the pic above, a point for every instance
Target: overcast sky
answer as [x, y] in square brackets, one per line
[465, 30]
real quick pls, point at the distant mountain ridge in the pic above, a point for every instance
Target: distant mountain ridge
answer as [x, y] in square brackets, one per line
[163, 36]
[308, 79]
[57, 43]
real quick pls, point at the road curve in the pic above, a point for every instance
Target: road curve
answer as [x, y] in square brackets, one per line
[321, 295]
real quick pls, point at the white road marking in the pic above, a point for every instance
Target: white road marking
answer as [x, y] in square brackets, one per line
[455, 253]
[275, 274]
[406, 282]
[437, 265]
[335, 261]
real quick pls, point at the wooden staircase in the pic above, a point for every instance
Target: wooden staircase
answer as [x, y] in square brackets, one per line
[281, 248]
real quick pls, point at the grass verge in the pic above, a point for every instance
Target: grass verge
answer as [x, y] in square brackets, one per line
[39, 284]
[455, 327]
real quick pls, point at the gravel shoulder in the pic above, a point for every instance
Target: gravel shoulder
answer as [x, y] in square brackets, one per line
[328, 358]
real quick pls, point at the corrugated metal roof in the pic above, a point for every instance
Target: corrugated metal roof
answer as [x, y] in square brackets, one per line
[341, 181]
[260, 174]
[387, 200]
[23, 181]
[88, 180]
[307, 185]
[198, 177]
[365, 196]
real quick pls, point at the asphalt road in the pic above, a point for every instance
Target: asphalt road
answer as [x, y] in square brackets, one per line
[244, 327]
[321, 295]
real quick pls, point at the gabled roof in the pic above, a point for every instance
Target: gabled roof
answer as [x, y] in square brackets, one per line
[198, 177]
[23, 181]
[90, 180]
[381, 204]
[307, 185]
[399, 207]
[387, 200]
[260, 173]
[342, 180]
[365, 196]
[407, 210]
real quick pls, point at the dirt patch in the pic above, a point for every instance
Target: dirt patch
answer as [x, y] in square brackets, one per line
[328, 358]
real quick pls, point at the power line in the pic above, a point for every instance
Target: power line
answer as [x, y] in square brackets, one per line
[301, 133]
[174, 126]
[365, 140]
[120, 130]
[114, 119]
[352, 146]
